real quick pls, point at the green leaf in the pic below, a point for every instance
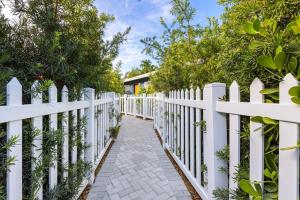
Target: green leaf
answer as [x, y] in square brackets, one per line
[256, 25]
[295, 91]
[247, 187]
[267, 61]
[271, 188]
[291, 25]
[269, 91]
[298, 21]
[278, 50]
[274, 173]
[280, 60]
[250, 29]
[296, 30]
[256, 44]
[293, 48]
[290, 148]
[257, 187]
[298, 73]
[296, 100]
[257, 119]
[274, 96]
[269, 101]
[293, 63]
[267, 173]
[268, 120]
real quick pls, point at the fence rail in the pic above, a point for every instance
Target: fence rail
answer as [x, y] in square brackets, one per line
[99, 111]
[141, 106]
[194, 127]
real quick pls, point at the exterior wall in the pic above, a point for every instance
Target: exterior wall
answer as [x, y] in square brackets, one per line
[134, 88]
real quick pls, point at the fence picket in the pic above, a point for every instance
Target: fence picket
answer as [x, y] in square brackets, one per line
[178, 126]
[234, 137]
[74, 148]
[169, 121]
[186, 132]
[256, 136]
[65, 127]
[182, 128]
[14, 129]
[37, 123]
[192, 135]
[288, 137]
[198, 139]
[81, 115]
[89, 114]
[175, 130]
[53, 127]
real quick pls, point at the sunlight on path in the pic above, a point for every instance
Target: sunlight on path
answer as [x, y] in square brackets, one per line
[137, 167]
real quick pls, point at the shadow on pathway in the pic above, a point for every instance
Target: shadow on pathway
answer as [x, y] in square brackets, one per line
[137, 167]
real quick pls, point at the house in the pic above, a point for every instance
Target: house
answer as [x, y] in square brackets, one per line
[133, 85]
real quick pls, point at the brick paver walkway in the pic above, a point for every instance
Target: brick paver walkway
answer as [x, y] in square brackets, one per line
[137, 167]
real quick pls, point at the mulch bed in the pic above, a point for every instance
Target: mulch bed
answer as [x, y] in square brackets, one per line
[85, 193]
[189, 186]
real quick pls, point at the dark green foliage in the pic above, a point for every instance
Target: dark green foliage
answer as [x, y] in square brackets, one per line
[145, 67]
[68, 188]
[257, 38]
[64, 43]
[5, 160]
[114, 131]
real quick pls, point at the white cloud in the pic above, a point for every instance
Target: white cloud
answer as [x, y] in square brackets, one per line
[164, 12]
[142, 17]
[163, 8]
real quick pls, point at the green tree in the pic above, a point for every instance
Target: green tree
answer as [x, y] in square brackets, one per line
[64, 43]
[146, 66]
[184, 59]
[115, 82]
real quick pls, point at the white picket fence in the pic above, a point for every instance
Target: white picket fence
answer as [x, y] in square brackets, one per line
[96, 109]
[193, 129]
[141, 106]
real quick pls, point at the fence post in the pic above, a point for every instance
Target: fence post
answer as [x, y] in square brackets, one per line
[90, 115]
[14, 129]
[216, 137]
[144, 106]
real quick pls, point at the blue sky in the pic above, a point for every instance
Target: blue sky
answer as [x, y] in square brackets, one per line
[143, 17]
